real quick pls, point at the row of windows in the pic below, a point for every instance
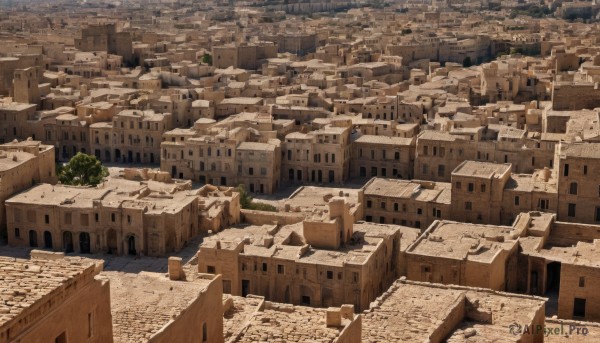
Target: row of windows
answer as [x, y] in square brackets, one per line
[281, 271]
[383, 154]
[470, 187]
[83, 218]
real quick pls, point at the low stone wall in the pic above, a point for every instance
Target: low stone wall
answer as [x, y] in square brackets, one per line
[262, 217]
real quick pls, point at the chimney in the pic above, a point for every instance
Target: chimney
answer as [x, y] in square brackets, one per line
[175, 269]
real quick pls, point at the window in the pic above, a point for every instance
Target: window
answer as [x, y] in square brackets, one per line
[573, 188]
[204, 333]
[329, 274]
[383, 205]
[96, 217]
[397, 156]
[419, 211]
[250, 171]
[90, 324]
[544, 204]
[264, 267]
[458, 185]
[597, 217]
[369, 204]
[381, 220]
[517, 201]
[112, 217]
[584, 170]
[482, 188]
[354, 277]
[571, 210]
[210, 269]
[396, 206]
[566, 170]
[582, 281]
[471, 187]
[17, 233]
[468, 205]
[441, 170]
[280, 269]
[47, 219]
[67, 218]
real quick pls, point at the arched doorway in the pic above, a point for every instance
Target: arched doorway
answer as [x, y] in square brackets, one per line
[84, 243]
[111, 241]
[47, 240]
[33, 242]
[68, 242]
[131, 245]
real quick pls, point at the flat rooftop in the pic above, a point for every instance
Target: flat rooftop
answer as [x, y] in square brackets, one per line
[288, 243]
[464, 241]
[416, 311]
[142, 304]
[481, 169]
[288, 323]
[309, 198]
[385, 140]
[426, 191]
[581, 150]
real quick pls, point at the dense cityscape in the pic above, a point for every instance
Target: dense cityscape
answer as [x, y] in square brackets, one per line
[299, 171]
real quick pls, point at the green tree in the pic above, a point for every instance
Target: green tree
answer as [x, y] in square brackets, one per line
[246, 202]
[207, 58]
[82, 170]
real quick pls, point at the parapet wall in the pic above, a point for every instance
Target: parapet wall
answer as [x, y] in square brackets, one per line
[267, 218]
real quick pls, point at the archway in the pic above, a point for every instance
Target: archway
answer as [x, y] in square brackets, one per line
[131, 245]
[68, 242]
[84, 243]
[47, 240]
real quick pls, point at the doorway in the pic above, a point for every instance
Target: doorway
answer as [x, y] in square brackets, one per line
[84, 243]
[47, 240]
[68, 241]
[131, 245]
[245, 287]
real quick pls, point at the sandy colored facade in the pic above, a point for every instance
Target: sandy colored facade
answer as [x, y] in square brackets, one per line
[22, 165]
[465, 254]
[141, 213]
[578, 182]
[383, 157]
[13, 121]
[408, 203]
[318, 262]
[226, 158]
[321, 156]
[135, 137]
[59, 299]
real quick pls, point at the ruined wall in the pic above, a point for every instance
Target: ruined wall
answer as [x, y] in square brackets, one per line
[262, 217]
